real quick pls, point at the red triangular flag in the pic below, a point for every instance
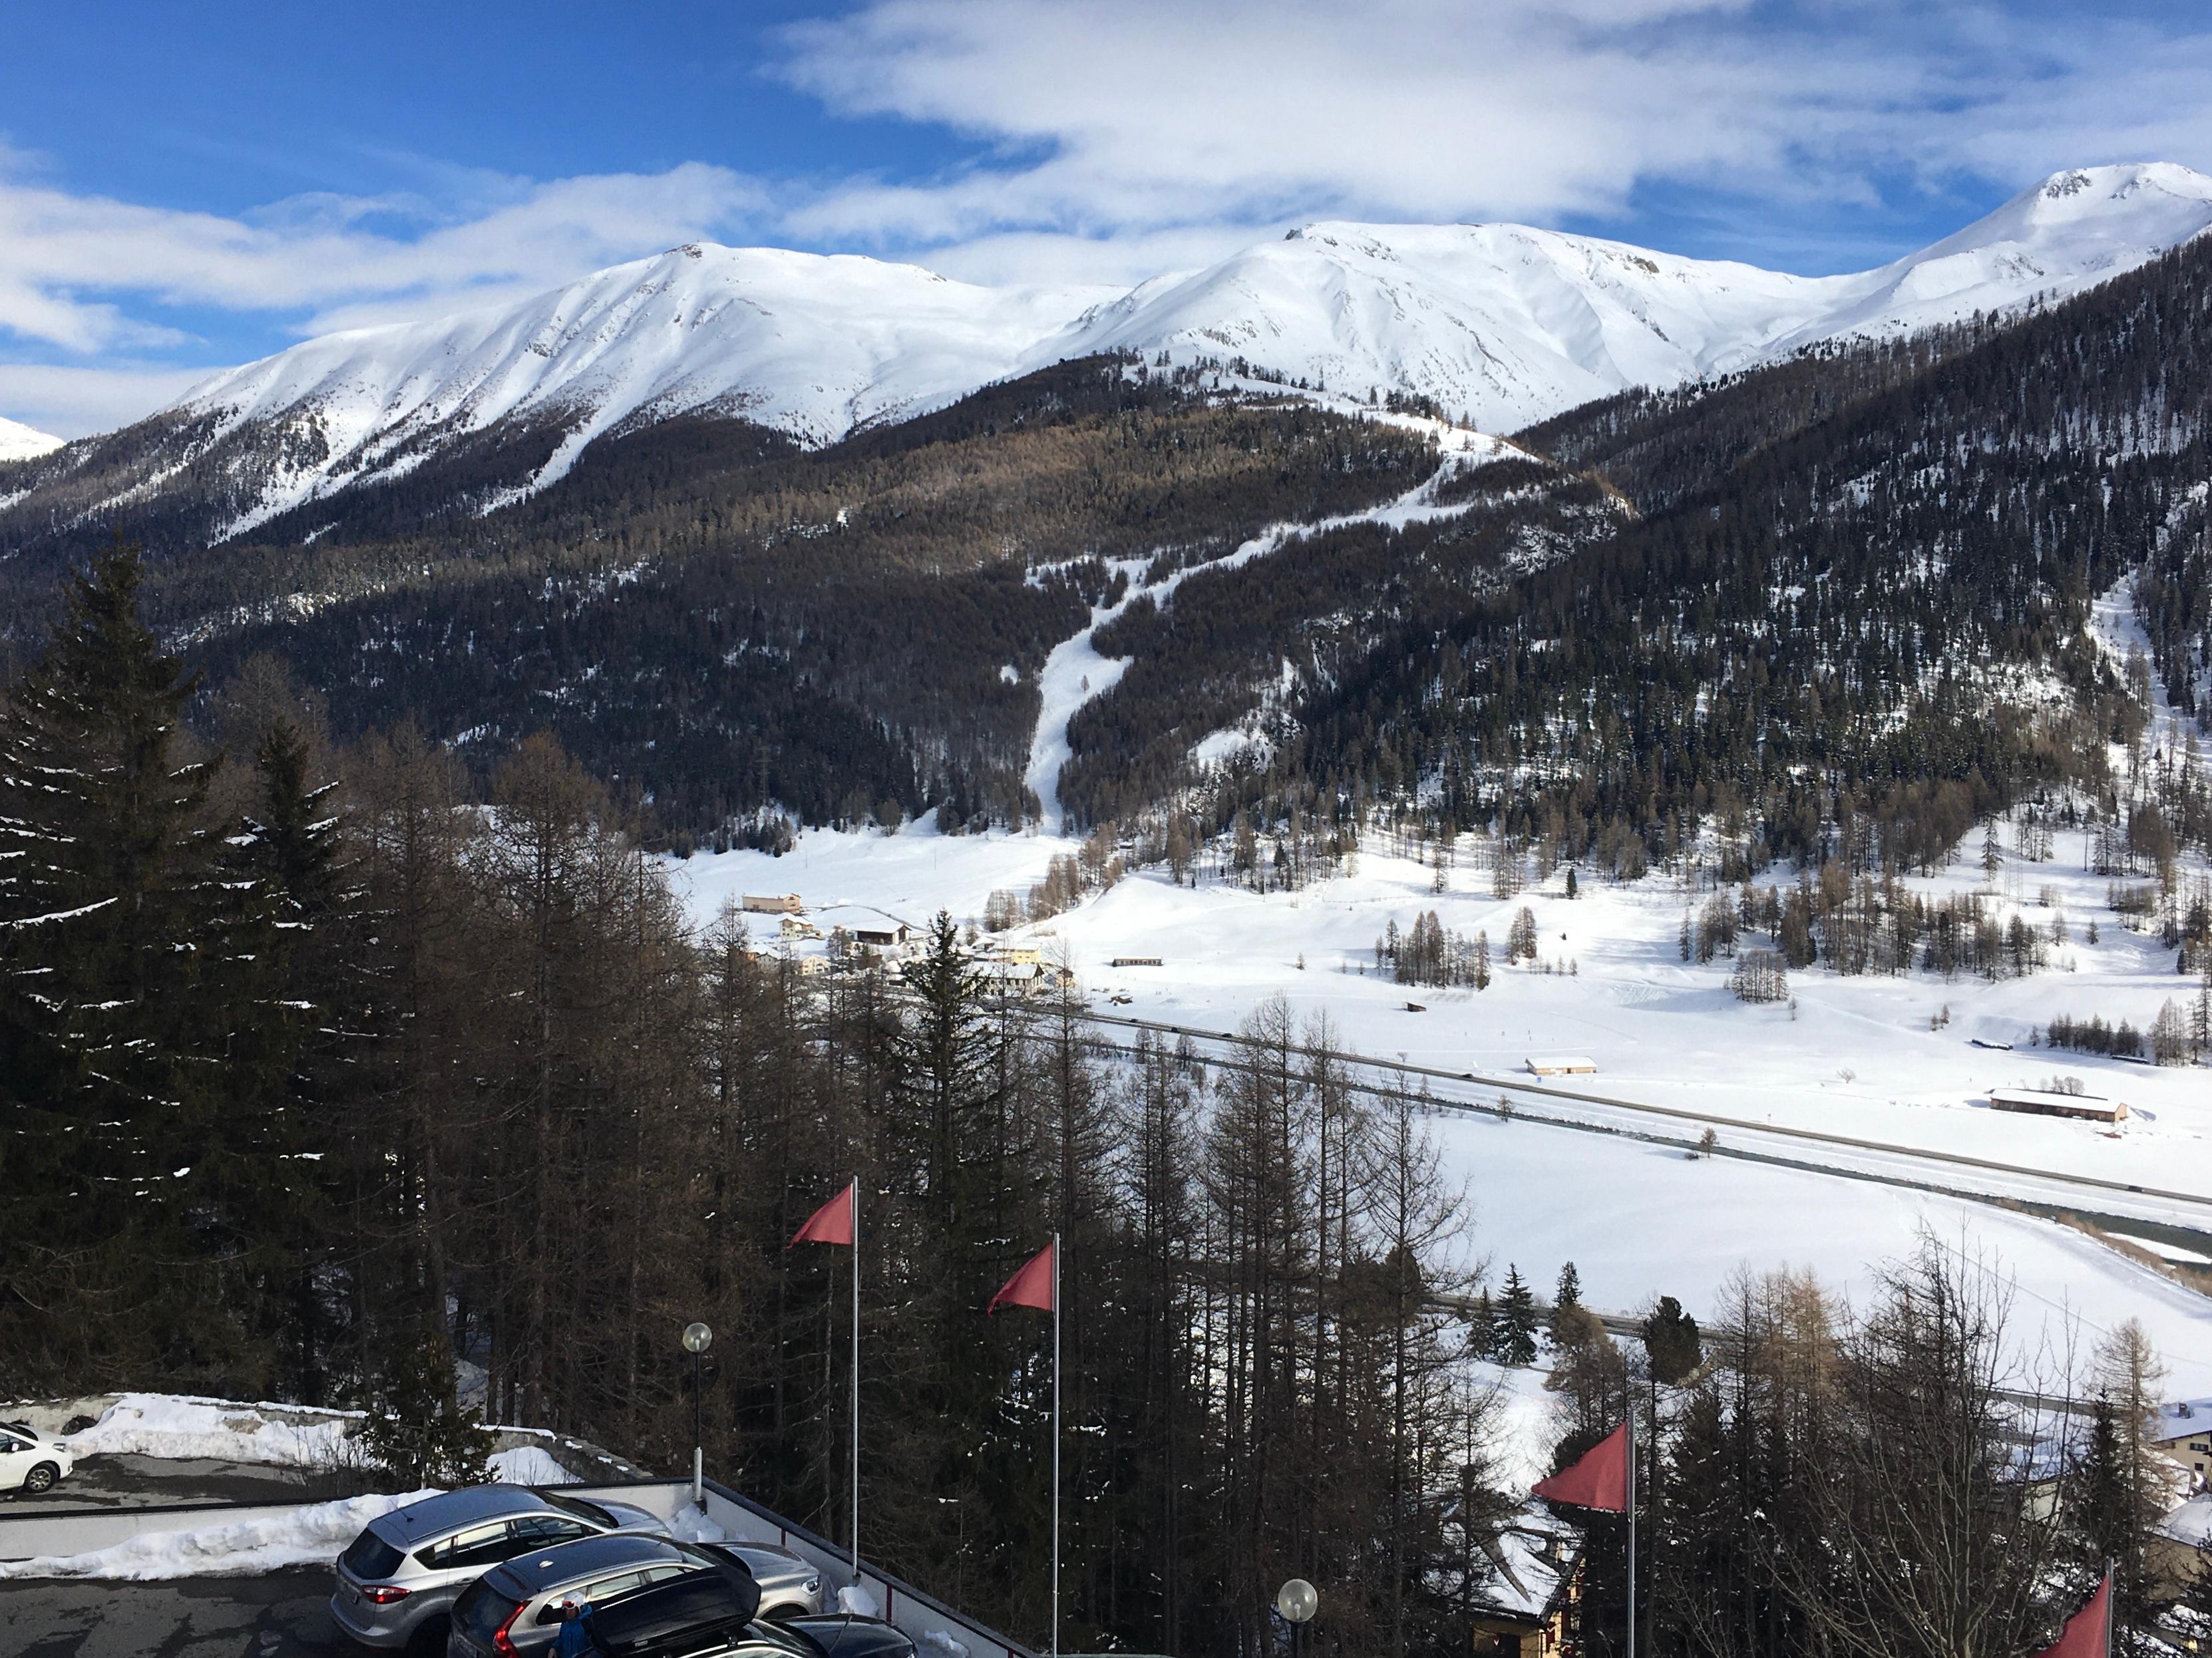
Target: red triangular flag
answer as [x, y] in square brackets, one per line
[2086, 1632]
[831, 1223]
[1031, 1287]
[1598, 1479]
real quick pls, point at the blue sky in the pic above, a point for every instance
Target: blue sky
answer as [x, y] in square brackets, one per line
[183, 188]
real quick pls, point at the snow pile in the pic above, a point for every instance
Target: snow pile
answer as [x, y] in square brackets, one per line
[22, 442]
[860, 1601]
[938, 1640]
[693, 1524]
[310, 1535]
[176, 1426]
[530, 1465]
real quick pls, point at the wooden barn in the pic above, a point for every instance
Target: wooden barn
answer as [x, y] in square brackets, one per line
[2049, 1102]
[1562, 1065]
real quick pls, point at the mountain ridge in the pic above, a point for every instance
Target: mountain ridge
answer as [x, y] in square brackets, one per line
[1498, 327]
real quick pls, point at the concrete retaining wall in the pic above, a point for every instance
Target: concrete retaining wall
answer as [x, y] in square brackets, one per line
[937, 1628]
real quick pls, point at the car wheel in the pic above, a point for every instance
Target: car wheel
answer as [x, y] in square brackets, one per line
[429, 1639]
[42, 1478]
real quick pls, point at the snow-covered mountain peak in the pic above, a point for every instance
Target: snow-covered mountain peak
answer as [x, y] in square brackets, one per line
[22, 442]
[1501, 325]
[813, 344]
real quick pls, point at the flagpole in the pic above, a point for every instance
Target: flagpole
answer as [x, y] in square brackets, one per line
[856, 1382]
[1055, 1446]
[1631, 1528]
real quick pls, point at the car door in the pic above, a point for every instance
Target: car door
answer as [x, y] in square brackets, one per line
[15, 1459]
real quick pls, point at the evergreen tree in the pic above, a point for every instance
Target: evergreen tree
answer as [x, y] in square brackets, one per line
[119, 1003]
[1564, 1323]
[1516, 1320]
[1671, 1341]
[416, 1429]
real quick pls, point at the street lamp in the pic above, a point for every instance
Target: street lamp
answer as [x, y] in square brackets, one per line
[697, 1337]
[1297, 1601]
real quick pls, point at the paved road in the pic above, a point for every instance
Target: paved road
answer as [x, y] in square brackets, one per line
[2171, 1212]
[108, 1481]
[276, 1615]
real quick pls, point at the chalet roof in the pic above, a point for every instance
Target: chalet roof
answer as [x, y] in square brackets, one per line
[1521, 1580]
[2180, 1416]
[2190, 1523]
[2048, 1097]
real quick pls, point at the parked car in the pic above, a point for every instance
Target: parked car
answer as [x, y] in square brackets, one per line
[408, 1568]
[31, 1461]
[790, 1587]
[519, 1607]
[711, 1614]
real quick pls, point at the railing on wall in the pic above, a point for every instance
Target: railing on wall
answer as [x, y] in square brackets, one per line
[937, 1629]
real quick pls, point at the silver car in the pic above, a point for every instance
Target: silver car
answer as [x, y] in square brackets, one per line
[403, 1573]
[518, 1607]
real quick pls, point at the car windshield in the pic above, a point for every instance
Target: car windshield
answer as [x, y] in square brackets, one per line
[370, 1557]
[583, 1510]
[481, 1612]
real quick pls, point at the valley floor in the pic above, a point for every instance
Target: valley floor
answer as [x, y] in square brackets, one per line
[1861, 1056]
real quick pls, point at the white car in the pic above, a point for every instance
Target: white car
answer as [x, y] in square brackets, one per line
[30, 1460]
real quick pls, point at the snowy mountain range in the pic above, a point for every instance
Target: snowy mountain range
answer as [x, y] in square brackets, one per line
[22, 442]
[1502, 326]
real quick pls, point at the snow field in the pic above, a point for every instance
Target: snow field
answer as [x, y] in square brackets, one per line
[1858, 1058]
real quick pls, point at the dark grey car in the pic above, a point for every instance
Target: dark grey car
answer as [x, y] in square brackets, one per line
[712, 1615]
[518, 1607]
[408, 1568]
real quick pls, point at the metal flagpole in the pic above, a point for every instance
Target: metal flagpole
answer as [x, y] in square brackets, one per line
[856, 1381]
[1055, 1445]
[1632, 1528]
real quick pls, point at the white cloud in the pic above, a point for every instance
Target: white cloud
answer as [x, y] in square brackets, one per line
[71, 401]
[65, 260]
[1104, 119]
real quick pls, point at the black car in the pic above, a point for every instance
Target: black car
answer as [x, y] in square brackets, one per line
[709, 1614]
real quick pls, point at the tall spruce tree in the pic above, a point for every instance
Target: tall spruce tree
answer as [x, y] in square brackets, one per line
[118, 1022]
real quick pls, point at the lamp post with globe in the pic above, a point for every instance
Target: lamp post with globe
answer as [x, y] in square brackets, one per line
[697, 1337]
[1297, 1601]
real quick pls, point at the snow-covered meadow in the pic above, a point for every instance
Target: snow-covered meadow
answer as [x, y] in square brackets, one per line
[1869, 1056]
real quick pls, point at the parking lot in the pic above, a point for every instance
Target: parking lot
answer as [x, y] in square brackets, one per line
[135, 1482]
[274, 1615]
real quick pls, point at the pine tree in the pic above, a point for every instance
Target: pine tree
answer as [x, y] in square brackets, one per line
[117, 1013]
[1516, 1320]
[1563, 1324]
[416, 1429]
[1671, 1341]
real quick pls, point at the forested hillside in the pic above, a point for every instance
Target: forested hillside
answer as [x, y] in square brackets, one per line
[718, 625]
[1850, 612]
[1836, 604]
